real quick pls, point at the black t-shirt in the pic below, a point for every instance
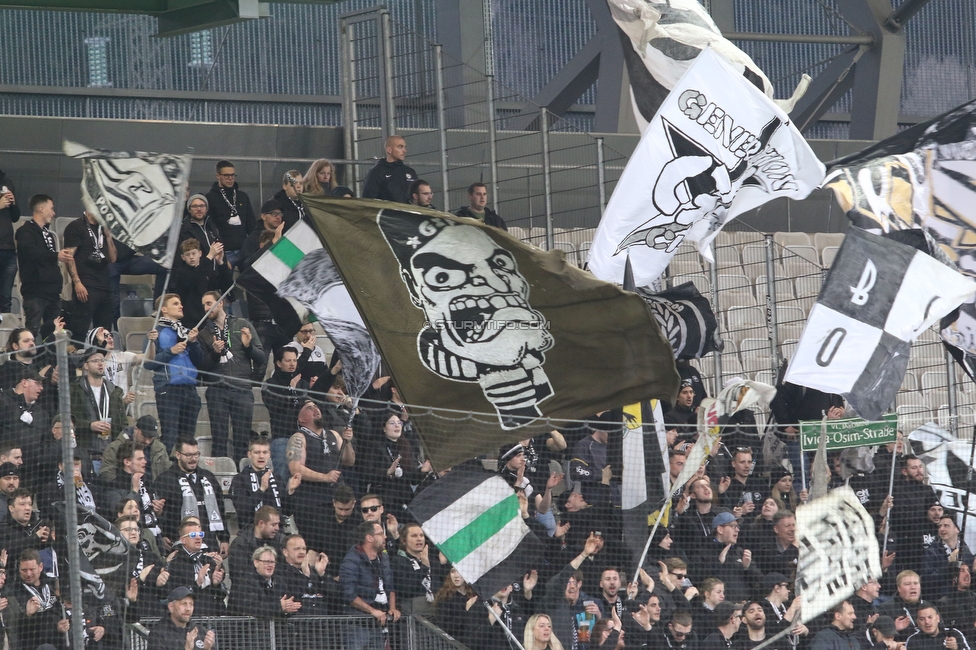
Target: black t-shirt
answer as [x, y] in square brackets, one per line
[91, 253]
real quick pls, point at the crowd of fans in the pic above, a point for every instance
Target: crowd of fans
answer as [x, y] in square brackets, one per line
[339, 479]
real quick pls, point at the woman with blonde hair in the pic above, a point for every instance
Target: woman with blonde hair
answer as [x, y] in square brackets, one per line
[538, 634]
[320, 177]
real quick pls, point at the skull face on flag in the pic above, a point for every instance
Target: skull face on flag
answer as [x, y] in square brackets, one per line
[480, 326]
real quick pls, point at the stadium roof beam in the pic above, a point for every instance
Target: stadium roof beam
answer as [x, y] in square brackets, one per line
[175, 16]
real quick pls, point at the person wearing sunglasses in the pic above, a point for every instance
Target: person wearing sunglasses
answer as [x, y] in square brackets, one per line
[192, 565]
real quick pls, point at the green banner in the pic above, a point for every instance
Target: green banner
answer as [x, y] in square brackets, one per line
[851, 432]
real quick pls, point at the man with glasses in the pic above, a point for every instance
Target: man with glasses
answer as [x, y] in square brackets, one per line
[679, 635]
[231, 208]
[188, 490]
[118, 363]
[258, 592]
[194, 566]
[722, 558]
[312, 362]
[198, 224]
[366, 583]
[421, 194]
[98, 406]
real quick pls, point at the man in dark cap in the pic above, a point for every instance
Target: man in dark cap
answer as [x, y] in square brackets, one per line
[722, 558]
[144, 432]
[682, 417]
[882, 633]
[176, 631]
[511, 466]
[779, 616]
[588, 463]
[22, 418]
[9, 481]
[728, 618]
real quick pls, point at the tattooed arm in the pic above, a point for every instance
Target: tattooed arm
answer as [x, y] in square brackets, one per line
[295, 454]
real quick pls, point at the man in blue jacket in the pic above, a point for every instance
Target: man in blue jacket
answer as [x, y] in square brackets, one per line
[174, 360]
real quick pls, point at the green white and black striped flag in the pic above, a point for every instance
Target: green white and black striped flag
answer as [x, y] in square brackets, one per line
[473, 518]
[295, 276]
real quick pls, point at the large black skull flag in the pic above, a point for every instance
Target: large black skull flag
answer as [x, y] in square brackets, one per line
[470, 319]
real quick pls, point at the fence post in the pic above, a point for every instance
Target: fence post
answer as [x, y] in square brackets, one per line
[492, 141]
[546, 179]
[350, 139]
[272, 635]
[412, 634]
[771, 321]
[441, 120]
[951, 382]
[388, 101]
[716, 356]
[601, 175]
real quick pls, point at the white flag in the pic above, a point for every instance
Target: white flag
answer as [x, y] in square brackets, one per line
[717, 148]
[838, 551]
[137, 196]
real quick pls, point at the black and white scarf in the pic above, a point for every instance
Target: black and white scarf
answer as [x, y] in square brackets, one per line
[44, 595]
[48, 239]
[97, 240]
[255, 480]
[149, 520]
[223, 335]
[299, 206]
[181, 332]
[191, 507]
[235, 217]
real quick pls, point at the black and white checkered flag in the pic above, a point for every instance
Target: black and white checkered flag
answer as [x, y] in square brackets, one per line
[879, 297]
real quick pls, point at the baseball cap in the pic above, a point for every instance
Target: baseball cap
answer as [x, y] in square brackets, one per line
[270, 206]
[772, 579]
[507, 452]
[722, 519]
[90, 352]
[179, 594]
[9, 469]
[885, 625]
[148, 425]
[724, 611]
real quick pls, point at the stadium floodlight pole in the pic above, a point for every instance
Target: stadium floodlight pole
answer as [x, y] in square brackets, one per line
[70, 498]
[511, 635]
[891, 488]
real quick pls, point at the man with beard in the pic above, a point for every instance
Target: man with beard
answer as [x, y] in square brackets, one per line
[256, 485]
[232, 352]
[20, 344]
[318, 455]
[911, 498]
[610, 591]
[175, 630]
[22, 418]
[931, 635]
[283, 395]
[421, 194]
[263, 531]
[172, 359]
[839, 635]
[258, 592]
[367, 585]
[949, 548]
[335, 532]
[98, 407]
[131, 484]
[682, 418]
[303, 576]
[958, 607]
[194, 567]
[903, 608]
[189, 491]
[754, 616]
[35, 609]
[9, 482]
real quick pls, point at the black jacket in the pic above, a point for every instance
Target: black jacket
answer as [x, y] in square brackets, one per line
[166, 636]
[239, 557]
[830, 638]
[44, 278]
[491, 217]
[252, 595]
[15, 430]
[206, 234]
[8, 216]
[922, 641]
[389, 181]
[283, 402]
[167, 486]
[232, 236]
[291, 211]
[209, 599]
[319, 594]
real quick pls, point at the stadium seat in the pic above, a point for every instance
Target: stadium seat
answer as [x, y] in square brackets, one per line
[756, 362]
[788, 347]
[734, 282]
[822, 240]
[766, 377]
[807, 253]
[700, 281]
[752, 346]
[787, 314]
[933, 380]
[827, 256]
[727, 257]
[936, 398]
[784, 288]
[518, 232]
[910, 382]
[736, 297]
[754, 260]
[792, 238]
[684, 267]
[808, 285]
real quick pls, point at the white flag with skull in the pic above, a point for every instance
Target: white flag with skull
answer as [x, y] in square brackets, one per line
[717, 148]
[138, 196]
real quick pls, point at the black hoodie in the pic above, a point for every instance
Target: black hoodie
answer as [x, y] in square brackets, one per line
[389, 181]
[220, 201]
